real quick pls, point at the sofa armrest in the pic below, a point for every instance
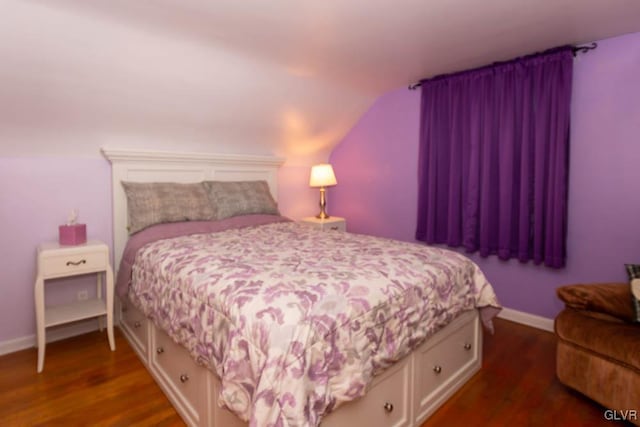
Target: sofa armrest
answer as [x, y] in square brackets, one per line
[613, 299]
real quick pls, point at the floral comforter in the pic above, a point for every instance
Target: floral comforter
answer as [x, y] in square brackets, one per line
[296, 321]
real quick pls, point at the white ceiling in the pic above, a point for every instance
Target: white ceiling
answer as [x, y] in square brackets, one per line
[378, 45]
[281, 77]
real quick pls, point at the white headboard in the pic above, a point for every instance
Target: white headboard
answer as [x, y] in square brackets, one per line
[165, 166]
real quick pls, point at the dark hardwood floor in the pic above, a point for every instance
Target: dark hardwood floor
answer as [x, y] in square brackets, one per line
[83, 383]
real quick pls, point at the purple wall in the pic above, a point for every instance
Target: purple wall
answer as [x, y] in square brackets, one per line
[36, 195]
[376, 166]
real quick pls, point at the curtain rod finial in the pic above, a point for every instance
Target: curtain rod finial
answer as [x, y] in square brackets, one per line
[584, 49]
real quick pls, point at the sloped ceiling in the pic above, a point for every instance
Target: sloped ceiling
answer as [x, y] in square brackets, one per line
[266, 77]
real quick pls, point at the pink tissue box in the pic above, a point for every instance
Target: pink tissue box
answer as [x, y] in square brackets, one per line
[75, 234]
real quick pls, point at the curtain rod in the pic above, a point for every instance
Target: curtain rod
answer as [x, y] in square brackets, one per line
[575, 50]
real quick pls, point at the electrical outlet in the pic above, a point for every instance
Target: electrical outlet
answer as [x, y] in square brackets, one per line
[82, 295]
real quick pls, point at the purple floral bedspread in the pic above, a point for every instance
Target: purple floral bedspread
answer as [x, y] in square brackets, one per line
[296, 321]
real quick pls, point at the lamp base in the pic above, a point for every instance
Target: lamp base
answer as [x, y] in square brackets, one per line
[323, 205]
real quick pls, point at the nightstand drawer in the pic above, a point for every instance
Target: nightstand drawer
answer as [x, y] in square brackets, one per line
[69, 265]
[337, 226]
[334, 223]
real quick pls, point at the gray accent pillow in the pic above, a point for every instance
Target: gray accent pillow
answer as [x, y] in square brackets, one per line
[633, 270]
[234, 198]
[159, 202]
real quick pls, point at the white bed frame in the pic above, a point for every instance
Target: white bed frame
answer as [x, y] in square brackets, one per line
[405, 395]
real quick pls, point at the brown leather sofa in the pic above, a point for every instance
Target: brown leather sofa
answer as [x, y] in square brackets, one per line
[598, 350]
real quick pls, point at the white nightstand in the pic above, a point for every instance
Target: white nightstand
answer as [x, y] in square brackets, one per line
[55, 261]
[331, 223]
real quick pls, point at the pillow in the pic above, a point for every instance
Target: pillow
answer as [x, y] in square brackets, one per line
[634, 283]
[607, 298]
[233, 198]
[159, 202]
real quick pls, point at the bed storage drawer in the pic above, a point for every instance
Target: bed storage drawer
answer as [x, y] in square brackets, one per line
[181, 378]
[136, 326]
[445, 361]
[387, 403]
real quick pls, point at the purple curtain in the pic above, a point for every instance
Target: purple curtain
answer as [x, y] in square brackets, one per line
[493, 161]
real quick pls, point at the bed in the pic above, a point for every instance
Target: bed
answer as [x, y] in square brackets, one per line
[258, 319]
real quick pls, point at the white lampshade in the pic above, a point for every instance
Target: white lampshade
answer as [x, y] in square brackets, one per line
[322, 176]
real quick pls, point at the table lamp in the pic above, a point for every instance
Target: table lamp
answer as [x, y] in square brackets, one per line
[322, 176]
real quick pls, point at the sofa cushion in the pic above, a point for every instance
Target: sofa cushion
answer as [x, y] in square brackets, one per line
[613, 299]
[616, 341]
[634, 283]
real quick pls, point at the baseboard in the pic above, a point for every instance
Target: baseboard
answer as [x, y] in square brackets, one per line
[532, 320]
[53, 334]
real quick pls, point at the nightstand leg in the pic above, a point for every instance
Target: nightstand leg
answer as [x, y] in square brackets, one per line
[39, 299]
[109, 292]
[99, 295]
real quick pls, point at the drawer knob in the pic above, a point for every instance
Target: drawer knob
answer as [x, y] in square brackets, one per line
[125, 308]
[159, 350]
[388, 407]
[335, 228]
[184, 378]
[437, 369]
[467, 346]
[137, 324]
[76, 263]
